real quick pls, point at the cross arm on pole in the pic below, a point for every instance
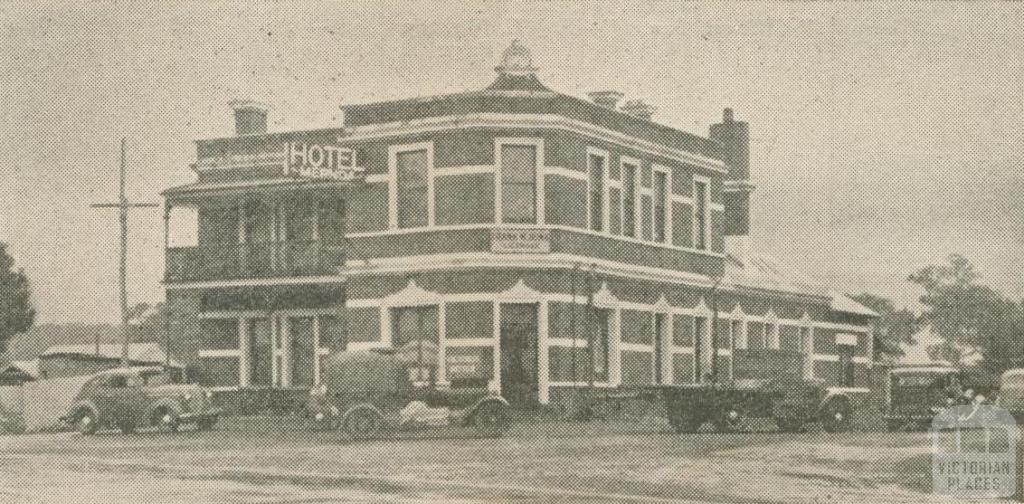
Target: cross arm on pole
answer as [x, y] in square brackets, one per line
[126, 205]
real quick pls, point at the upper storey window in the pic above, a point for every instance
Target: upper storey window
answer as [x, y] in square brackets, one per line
[412, 185]
[596, 164]
[660, 204]
[629, 187]
[519, 184]
[700, 214]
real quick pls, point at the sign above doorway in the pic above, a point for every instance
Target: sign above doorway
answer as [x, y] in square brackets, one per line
[520, 241]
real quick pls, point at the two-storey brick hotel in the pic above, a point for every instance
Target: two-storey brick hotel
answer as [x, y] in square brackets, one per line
[512, 237]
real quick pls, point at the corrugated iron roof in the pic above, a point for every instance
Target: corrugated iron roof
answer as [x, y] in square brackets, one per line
[767, 273]
[138, 352]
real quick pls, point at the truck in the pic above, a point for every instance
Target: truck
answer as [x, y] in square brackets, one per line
[771, 387]
[369, 392]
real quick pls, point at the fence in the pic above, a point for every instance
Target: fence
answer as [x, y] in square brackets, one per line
[11, 401]
[45, 401]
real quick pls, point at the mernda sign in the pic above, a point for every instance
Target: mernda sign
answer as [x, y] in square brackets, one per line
[321, 161]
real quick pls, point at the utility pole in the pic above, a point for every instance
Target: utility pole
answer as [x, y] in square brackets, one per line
[123, 205]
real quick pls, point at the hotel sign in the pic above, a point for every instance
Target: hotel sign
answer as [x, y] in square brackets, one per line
[321, 161]
[520, 241]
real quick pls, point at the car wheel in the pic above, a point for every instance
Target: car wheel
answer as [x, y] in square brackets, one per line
[127, 428]
[206, 424]
[685, 421]
[727, 420]
[85, 423]
[166, 419]
[491, 419]
[789, 424]
[363, 423]
[836, 416]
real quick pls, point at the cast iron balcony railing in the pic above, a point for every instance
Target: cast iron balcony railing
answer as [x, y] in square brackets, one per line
[251, 260]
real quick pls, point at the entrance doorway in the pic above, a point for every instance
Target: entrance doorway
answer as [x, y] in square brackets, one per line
[260, 352]
[519, 354]
[302, 351]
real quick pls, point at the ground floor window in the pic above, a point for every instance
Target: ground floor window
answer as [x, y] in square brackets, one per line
[704, 348]
[847, 375]
[739, 336]
[659, 346]
[599, 337]
[414, 336]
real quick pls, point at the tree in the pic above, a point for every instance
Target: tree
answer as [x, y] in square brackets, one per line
[16, 311]
[892, 326]
[969, 317]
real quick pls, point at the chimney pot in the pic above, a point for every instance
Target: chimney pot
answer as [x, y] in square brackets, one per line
[606, 99]
[250, 117]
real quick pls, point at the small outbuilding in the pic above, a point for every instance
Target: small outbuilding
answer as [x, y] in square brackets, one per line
[76, 360]
[18, 372]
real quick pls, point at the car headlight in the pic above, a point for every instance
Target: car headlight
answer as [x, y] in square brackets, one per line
[335, 411]
[188, 397]
[319, 417]
[949, 401]
[208, 394]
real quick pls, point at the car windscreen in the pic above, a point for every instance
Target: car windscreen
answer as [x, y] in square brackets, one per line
[917, 380]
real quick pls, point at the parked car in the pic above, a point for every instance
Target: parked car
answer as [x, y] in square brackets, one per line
[129, 398]
[366, 392]
[917, 394]
[1011, 393]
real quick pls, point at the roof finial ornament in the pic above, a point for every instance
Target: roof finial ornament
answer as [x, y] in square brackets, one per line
[516, 60]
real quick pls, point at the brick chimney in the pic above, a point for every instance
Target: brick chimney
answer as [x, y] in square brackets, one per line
[734, 136]
[606, 99]
[639, 108]
[250, 117]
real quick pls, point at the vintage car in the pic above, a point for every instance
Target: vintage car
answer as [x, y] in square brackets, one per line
[1011, 393]
[133, 397]
[366, 392]
[917, 394]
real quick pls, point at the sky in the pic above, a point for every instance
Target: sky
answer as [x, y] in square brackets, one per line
[885, 135]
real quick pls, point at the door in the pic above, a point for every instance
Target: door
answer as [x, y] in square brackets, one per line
[519, 353]
[302, 351]
[261, 353]
[121, 400]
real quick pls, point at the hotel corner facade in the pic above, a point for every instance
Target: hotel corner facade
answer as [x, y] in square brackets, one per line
[515, 237]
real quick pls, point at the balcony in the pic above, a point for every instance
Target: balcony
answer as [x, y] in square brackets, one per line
[252, 261]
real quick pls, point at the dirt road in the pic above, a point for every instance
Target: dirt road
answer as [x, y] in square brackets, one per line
[270, 461]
